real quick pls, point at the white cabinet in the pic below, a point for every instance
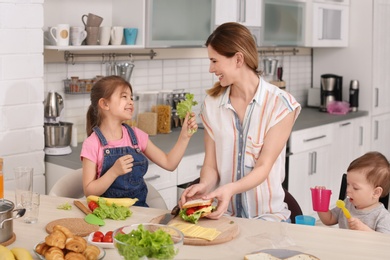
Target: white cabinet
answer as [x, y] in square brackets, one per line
[309, 164]
[246, 12]
[165, 183]
[350, 141]
[129, 13]
[380, 137]
[189, 168]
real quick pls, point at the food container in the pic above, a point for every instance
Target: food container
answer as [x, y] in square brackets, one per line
[6, 219]
[58, 134]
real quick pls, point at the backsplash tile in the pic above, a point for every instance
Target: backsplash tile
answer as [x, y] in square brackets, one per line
[192, 75]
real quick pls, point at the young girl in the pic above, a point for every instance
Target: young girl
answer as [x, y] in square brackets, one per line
[368, 179]
[115, 155]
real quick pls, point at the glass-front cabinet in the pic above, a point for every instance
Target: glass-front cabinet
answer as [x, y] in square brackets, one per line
[177, 23]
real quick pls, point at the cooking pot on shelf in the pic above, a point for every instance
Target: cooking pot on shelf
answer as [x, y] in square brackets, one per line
[58, 134]
[6, 219]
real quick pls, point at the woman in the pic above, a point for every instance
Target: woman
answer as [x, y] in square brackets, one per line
[248, 122]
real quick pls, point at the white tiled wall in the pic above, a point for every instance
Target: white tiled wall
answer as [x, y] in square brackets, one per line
[189, 74]
[22, 88]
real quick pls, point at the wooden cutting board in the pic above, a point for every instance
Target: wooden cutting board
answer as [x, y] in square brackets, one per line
[228, 228]
[77, 226]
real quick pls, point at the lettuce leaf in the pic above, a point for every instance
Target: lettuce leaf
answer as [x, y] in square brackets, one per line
[185, 106]
[113, 212]
[193, 218]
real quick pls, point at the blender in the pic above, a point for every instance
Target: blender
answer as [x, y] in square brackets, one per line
[57, 133]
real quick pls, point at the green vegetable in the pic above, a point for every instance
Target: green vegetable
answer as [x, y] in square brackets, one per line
[185, 106]
[156, 245]
[65, 206]
[113, 212]
[193, 218]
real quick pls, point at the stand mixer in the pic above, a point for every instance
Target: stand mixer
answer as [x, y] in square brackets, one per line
[57, 134]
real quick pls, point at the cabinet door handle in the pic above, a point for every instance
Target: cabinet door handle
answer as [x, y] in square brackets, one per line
[241, 10]
[345, 124]
[152, 177]
[314, 138]
[361, 135]
[376, 97]
[376, 125]
[314, 162]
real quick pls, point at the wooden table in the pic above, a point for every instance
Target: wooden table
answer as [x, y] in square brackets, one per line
[255, 235]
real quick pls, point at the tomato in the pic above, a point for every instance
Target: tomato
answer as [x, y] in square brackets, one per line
[98, 234]
[107, 237]
[97, 239]
[92, 205]
[190, 211]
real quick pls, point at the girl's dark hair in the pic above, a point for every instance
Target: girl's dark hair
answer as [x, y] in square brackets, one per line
[103, 88]
[228, 39]
[376, 167]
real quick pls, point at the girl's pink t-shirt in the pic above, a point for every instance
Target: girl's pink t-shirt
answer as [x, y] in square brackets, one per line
[93, 149]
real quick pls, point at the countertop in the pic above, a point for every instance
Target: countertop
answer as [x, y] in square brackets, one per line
[254, 235]
[309, 117]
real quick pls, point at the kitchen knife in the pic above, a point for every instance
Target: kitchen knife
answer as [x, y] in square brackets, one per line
[166, 218]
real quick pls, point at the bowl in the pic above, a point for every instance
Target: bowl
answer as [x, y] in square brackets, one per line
[305, 220]
[158, 241]
[58, 134]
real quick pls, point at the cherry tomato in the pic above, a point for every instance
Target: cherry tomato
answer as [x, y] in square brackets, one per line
[109, 233]
[97, 239]
[98, 234]
[92, 205]
[107, 238]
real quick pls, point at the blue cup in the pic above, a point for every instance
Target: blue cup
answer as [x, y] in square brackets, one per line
[305, 220]
[130, 35]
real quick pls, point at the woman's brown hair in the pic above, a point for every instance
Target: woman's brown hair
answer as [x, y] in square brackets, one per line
[228, 39]
[377, 169]
[103, 88]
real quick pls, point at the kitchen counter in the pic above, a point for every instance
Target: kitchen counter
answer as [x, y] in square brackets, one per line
[254, 235]
[309, 117]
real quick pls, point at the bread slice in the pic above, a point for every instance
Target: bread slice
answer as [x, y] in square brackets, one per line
[197, 203]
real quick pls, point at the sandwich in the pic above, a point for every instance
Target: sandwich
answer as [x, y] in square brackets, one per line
[193, 210]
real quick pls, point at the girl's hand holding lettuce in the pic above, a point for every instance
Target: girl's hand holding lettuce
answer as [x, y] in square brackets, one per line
[185, 106]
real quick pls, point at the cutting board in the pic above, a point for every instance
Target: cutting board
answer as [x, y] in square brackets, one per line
[228, 228]
[76, 225]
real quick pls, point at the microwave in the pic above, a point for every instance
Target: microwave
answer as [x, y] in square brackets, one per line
[318, 23]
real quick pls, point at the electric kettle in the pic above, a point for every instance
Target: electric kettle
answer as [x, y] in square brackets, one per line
[53, 105]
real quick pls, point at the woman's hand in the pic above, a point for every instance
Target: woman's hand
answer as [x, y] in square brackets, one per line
[123, 165]
[189, 125]
[223, 194]
[196, 191]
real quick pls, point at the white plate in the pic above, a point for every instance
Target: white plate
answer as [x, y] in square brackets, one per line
[99, 244]
[100, 257]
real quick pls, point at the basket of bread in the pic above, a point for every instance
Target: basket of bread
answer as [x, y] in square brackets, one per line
[63, 244]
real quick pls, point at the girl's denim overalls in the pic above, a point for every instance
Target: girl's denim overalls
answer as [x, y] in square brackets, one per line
[131, 184]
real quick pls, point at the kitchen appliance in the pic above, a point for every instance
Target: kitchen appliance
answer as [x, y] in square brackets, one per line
[331, 90]
[57, 134]
[354, 95]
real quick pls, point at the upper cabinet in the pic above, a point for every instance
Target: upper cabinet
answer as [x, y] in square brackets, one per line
[246, 12]
[178, 23]
[307, 23]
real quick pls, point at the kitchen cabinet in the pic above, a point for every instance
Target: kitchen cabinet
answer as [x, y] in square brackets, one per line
[380, 137]
[350, 141]
[129, 13]
[309, 164]
[189, 168]
[366, 60]
[246, 12]
[165, 183]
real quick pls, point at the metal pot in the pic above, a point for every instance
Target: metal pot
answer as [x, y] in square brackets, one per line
[124, 70]
[6, 217]
[58, 134]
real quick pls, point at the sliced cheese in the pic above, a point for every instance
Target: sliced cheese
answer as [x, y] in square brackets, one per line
[192, 230]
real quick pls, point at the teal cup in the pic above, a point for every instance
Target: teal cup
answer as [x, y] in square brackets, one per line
[130, 35]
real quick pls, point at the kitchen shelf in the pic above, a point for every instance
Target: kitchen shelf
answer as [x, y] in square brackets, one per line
[93, 47]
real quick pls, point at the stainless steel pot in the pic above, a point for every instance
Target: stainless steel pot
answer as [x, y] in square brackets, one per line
[58, 134]
[6, 217]
[53, 105]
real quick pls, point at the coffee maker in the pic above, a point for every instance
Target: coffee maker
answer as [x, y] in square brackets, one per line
[331, 90]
